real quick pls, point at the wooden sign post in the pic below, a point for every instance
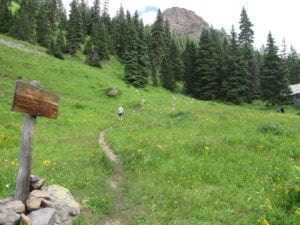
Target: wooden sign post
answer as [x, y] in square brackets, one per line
[32, 101]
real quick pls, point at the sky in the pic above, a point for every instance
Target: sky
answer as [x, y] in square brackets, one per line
[280, 17]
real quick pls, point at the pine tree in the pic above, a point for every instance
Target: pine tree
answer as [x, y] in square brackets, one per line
[24, 22]
[246, 33]
[190, 56]
[53, 49]
[63, 20]
[143, 57]
[60, 41]
[5, 16]
[99, 39]
[74, 33]
[246, 37]
[167, 77]
[157, 47]
[44, 30]
[209, 65]
[136, 59]
[93, 58]
[86, 16]
[105, 7]
[235, 85]
[172, 67]
[119, 31]
[131, 54]
[273, 76]
[293, 65]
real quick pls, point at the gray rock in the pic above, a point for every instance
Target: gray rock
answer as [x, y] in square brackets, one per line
[39, 194]
[34, 178]
[33, 203]
[64, 204]
[36, 182]
[13, 205]
[185, 22]
[8, 217]
[44, 216]
[37, 185]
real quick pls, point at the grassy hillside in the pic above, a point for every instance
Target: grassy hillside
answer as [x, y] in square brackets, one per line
[184, 161]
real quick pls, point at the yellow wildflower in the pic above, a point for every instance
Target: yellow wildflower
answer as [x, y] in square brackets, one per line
[268, 204]
[140, 150]
[206, 148]
[260, 147]
[47, 162]
[297, 168]
[159, 146]
[263, 221]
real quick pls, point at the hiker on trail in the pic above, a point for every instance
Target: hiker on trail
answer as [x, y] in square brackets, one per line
[120, 112]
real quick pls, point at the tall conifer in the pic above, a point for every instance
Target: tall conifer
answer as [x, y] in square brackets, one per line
[235, 84]
[273, 75]
[157, 46]
[74, 33]
[190, 56]
[24, 22]
[246, 37]
[5, 16]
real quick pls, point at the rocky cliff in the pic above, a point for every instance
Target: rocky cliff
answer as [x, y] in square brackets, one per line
[185, 22]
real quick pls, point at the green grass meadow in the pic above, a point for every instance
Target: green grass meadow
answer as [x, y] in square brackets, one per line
[185, 162]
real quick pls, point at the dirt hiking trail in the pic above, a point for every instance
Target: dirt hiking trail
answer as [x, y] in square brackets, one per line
[115, 182]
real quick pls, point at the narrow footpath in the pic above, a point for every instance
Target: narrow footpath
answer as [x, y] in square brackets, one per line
[115, 181]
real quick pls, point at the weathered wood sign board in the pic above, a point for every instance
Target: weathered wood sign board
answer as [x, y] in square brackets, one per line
[35, 101]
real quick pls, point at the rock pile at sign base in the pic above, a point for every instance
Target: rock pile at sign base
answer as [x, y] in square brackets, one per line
[51, 205]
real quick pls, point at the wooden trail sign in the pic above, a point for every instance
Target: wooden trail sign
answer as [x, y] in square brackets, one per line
[33, 101]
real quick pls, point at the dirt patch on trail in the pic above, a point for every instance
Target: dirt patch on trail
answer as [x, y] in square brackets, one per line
[114, 181]
[109, 153]
[19, 46]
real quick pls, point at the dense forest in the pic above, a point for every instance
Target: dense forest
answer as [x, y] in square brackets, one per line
[218, 66]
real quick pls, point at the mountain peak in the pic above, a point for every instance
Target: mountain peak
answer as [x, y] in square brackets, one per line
[185, 22]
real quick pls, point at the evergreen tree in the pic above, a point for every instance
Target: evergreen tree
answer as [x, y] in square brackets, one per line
[293, 64]
[246, 34]
[54, 50]
[131, 54]
[105, 7]
[52, 12]
[236, 84]
[167, 77]
[157, 47]
[44, 30]
[190, 56]
[136, 60]
[143, 57]
[273, 76]
[24, 22]
[172, 67]
[63, 20]
[5, 16]
[86, 16]
[100, 40]
[93, 58]
[208, 80]
[60, 41]
[119, 31]
[74, 33]
[246, 37]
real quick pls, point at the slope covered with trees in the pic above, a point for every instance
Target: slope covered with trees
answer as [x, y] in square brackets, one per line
[220, 66]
